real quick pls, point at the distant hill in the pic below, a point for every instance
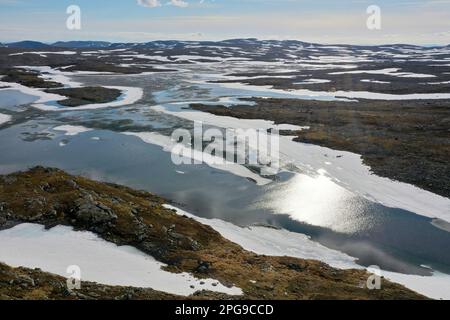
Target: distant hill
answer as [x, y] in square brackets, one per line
[174, 44]
[28, 45]
[82, 44]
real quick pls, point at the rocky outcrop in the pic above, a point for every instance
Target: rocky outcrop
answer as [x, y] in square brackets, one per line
[88, 211]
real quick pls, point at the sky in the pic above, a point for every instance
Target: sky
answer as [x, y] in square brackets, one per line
[425, 22]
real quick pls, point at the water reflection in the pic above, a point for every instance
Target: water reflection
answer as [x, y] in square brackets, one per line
[318, 201]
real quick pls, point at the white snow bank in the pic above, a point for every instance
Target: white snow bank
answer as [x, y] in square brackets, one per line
[437, 83]
[338, 59]
[72, 130]
[375, 81]
[273, 242]
[317, 65]
[394, 72]
[44, 53]
[4, 118]
[129, 96]
[225, 121]
[313, 81]
[214, 162]
[335, 95]
[267, 76]
[31, 246]
[435, 287]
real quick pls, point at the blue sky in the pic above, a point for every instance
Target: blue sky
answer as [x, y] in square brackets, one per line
[326, 21]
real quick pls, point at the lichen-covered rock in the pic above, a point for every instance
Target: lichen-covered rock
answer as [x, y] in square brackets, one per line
[88, 211]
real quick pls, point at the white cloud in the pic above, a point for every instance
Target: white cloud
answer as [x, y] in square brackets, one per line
[149, 3]
[179, 3]
[157, 3]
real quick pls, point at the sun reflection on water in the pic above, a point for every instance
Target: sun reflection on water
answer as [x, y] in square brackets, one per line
[318, 201]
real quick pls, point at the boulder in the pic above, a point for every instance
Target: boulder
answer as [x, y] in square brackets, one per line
[88, 211]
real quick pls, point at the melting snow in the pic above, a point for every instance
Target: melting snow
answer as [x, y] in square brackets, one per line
[31, 246]
[4, 118]
[72, 130]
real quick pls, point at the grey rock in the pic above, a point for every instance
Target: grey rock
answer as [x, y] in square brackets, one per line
[72, 184]
[203, 267]
[3, 206]
[176, 236]
[52, 213]
[90, 212]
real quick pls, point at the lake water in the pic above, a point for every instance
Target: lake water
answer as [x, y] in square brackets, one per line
[11, 99]
[391, 238]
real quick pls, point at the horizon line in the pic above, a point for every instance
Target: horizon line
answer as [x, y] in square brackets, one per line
[230, 39]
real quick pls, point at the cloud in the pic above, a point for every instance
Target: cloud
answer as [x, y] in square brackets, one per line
[179, 3]
[157, 3]
[149, 3]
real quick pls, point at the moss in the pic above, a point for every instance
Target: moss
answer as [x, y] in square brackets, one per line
[27, 78]
[86, 95]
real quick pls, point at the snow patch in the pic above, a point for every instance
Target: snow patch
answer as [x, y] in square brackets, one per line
[335, 95]
[313, 81]
[44, 53]
[394, 72]
[275, 242]
[375, 81]
[4, 118]
[31, 246]
[72, 130]
[224, 121]
[130, 95]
